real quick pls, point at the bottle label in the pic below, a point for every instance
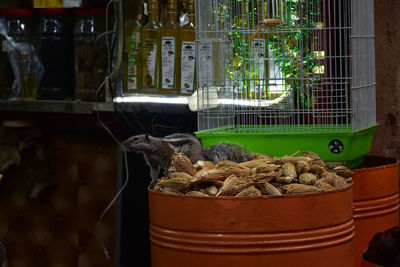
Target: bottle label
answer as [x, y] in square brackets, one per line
[188, 67]
[257, 68]
[149, 67]
[205, 64]
[168, 54]
[132, 64]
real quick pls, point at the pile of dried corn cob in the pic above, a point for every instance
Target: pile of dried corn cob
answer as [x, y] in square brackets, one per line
[264, 175]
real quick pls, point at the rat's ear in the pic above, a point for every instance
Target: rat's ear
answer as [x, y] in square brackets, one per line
[147, 138]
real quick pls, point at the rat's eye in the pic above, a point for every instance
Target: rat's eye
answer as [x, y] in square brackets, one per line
[135, 140]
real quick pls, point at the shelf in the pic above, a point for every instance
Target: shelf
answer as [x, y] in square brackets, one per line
[129, 103]
[53, 106]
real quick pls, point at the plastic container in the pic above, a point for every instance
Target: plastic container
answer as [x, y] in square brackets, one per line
[330, 144]
[90, 56]
[376, 202]
[300, 230]
[20, 26]
[55, 47]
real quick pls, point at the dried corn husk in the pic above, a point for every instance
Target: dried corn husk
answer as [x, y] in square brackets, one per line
[342, 171]
[317, 169]
[179, 184]
[311, 155]
[307, 178]
[182, 163]
[293, 160]
[334, 180]
[248, 192]
[284, 179]
[229, 186]
[265, 167]
[323, 185]
[211, 190]
[302, 166]
[268, 189]
[255, 163]
[182, 175]
[213, 175]
[168, 190]
[196, 193]
[233, 168]
[198, 174]
[300, 188]
[289, 170]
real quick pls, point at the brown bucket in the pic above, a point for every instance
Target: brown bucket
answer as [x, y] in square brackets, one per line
[376, 202]
[304, 230]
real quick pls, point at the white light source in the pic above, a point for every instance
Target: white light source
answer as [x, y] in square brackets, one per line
[152, 99]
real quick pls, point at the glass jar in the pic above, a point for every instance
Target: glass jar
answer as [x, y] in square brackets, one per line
[20, 24]
[55, 49]
[90, 56]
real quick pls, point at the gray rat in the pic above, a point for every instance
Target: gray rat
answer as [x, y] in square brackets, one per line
[158, 151]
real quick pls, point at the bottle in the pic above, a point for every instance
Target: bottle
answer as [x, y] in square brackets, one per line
[133, 50]
[151, 49]
[90, 58]
[56, 52]
[188, 53]
[169, 70]
[19, 24]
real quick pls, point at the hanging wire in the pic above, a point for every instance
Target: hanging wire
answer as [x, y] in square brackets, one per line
[121, 146]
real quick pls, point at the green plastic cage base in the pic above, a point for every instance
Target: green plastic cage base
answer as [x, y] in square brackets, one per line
[333, 145]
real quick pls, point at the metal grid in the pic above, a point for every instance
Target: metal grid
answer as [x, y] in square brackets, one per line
[277, 66]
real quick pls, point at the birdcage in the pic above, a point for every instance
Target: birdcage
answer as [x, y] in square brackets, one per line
[284, 75]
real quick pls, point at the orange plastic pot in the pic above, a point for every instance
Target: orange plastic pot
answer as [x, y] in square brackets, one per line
[304, 230]
[376, 202]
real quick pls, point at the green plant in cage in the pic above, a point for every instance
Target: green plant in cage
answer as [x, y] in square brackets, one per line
[294, 52]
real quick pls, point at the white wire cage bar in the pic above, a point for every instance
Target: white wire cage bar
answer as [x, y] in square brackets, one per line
[284, 65]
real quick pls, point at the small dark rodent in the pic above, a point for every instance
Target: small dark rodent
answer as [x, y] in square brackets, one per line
[384, 248]
[158, 151]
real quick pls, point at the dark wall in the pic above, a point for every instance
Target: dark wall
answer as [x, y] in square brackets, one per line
[387, 57]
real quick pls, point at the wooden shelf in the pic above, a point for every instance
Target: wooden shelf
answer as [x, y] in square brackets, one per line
[52, 106]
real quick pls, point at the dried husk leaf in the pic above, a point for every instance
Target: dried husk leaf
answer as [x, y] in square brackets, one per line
[248, 192]
[182, 175]
[311, 154]
[319, 162]
[293, 160]
[284, 179]
[182, 163]
[317, 169]
[302, 166]
[323, 185]
[179, 184]
[169, 191]
[211, 190]
[198, 174]
[233, 168]
[229, 186]
[299, 188]
[255, 163]
[307, 178]
[289, 170]
[196, 193]
[265, 167]
[213, 175]
[342, 171]
[268, 189]
[199, 165]
[261, 156]
[334, 180]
